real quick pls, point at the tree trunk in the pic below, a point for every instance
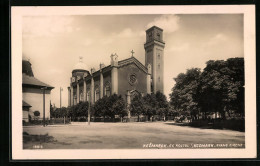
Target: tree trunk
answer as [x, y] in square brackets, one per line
[138, 118]
[224, 113]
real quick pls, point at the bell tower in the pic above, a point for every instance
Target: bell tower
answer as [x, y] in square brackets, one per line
[154, 55]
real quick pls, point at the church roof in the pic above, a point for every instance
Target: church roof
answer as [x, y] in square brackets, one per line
[80, 65]
[32, 81]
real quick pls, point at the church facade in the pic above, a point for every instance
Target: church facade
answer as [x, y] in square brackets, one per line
[128, 77]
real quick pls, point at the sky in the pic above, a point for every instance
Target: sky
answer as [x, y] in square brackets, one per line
[53, 44]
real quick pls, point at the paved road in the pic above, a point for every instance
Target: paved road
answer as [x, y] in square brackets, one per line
[128, 135]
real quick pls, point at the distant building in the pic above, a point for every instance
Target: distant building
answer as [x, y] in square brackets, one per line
[128, 77]
[33, 94]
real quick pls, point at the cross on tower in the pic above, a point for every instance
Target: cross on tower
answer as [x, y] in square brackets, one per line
[80, 59]
[132, 53]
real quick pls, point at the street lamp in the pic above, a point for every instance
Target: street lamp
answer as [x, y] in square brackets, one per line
[44, 88]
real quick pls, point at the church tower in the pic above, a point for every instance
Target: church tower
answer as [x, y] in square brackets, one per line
[154, 55]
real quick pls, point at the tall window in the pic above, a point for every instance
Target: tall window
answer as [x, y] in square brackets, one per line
[107, 90]
[96, 94]
[159, 79]
[159, 56]
[88, 95]
[74, 99]
[159, 66]
[81, 96]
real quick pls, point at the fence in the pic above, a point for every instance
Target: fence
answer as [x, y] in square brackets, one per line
[51, 121]
[125, 119]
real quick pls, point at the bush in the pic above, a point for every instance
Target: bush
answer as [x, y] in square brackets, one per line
[232, 124]
[36, 113]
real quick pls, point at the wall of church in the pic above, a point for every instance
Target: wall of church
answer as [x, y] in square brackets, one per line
[159, 68]
[34, 97]
[131, 78]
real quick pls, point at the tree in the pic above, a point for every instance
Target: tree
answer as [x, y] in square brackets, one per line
[111, 100]
[82, 110]
[182, 96]
[119, 107]
[100, 107]
[222, 87]
[36, 114]
[52, 113]
[149, 105]
[137, 106]
[110, 106]
[162, 104]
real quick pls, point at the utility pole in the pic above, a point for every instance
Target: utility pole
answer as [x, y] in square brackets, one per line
[44, 105]
[61, 89]
[89, 112]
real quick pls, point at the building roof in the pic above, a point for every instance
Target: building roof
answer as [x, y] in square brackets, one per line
[32, 81]
[154, 27]
[26, 104]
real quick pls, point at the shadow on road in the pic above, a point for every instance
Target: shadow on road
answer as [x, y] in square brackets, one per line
[203, 125]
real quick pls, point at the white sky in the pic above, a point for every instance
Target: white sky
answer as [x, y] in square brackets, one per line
[54, 43]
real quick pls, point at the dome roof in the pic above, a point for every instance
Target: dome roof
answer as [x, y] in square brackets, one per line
[80, 65]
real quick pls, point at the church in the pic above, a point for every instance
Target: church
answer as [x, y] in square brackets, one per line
[128, 77]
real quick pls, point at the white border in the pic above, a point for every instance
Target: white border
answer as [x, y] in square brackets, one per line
[250, 84]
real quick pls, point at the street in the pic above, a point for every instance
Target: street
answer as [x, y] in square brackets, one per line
[125, 136]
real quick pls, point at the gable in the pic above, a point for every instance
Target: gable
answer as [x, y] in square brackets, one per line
[132, 61]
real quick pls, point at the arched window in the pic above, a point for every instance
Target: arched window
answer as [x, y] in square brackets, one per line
[159, 66]
[159, 79]
[159, 56]
[96, 93]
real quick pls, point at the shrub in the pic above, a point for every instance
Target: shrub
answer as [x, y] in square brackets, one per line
[36, 113]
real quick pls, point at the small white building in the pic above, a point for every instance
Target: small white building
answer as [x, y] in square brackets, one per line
[33, 92]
